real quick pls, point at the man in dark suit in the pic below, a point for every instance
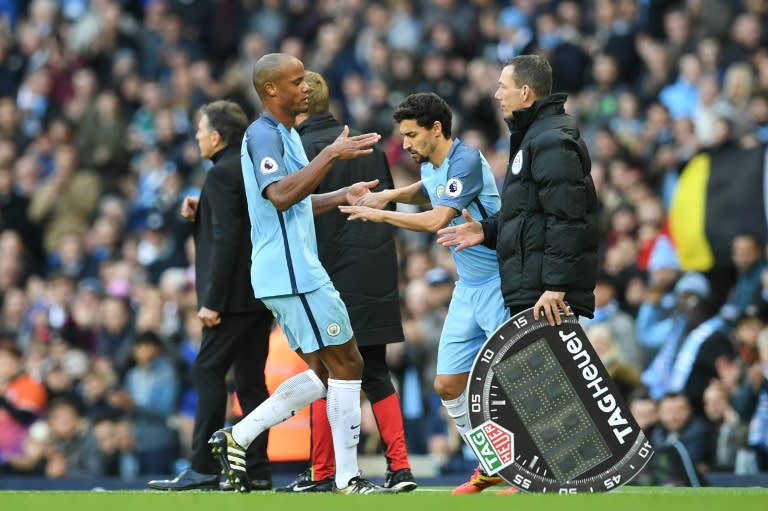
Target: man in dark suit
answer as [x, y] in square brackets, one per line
[236, 326]
[360, 259]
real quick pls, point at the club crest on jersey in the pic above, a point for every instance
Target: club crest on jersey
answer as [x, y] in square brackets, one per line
[454, 187]
[517, 163]
[268, 165]
[333, 329]
[439, 191]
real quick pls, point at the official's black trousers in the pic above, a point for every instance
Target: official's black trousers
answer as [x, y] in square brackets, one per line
[241, 340]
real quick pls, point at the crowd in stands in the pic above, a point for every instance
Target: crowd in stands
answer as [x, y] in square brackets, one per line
[98, 103]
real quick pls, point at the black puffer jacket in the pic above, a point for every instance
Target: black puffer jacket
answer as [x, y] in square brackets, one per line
[546, 234]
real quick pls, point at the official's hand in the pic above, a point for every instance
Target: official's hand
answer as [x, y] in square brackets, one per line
[347, 148]
[209, 317]
[359, 190]
[189, 208]
[462, 236]
[552, 302]
[362, 213]
[376, 200]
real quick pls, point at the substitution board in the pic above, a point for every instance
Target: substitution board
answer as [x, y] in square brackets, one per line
[546, 416]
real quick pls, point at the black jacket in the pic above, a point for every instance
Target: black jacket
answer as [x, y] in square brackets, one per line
[359, 256]
[546, 234]
[223, 240]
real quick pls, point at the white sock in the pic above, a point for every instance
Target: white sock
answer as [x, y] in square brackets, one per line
[344, 415]
[289, 397]
[457, 410]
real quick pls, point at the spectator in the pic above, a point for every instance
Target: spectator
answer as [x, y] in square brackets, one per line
[66, 199]
[749, 261]
[101, 142]
[751, 402]
[624, 373]
[94, 389]
[678, 425]
[729, 430]
[656, 322]
[22, 401]
[645, 410]
[621, 324]
[115, 332]
[151, 391]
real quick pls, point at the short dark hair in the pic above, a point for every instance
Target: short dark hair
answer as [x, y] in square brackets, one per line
[425, 108]
[228, 118]
[533, 71]
[148, 337]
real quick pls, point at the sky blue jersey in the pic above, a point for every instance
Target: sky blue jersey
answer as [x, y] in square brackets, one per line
[465, 180]
[284, 259]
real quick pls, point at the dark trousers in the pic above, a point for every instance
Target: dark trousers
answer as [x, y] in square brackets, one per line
[241, 340]
[377, 382]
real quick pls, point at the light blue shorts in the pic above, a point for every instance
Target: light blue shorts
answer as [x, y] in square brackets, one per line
[312, 320]
[474, 314]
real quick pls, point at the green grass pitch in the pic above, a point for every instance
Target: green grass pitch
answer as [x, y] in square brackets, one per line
[423, 499]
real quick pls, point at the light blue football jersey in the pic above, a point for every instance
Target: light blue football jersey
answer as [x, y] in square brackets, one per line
[284, 259]
[464, 180]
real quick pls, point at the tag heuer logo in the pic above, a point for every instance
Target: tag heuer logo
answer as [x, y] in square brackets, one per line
[493, 445]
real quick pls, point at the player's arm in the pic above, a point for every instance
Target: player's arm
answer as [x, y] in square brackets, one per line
[427, 221]
[411, 194]
[324, 202]
[296, 186]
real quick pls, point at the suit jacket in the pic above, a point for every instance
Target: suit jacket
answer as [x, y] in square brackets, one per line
[359, 256]
[222, 239]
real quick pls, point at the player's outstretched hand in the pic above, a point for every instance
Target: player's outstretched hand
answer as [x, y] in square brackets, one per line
[362, 213]
[375, 200]
[462, 236]
[356, 192]
[347, 148]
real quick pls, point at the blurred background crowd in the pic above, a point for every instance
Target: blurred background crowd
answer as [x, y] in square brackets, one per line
[98, 102]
